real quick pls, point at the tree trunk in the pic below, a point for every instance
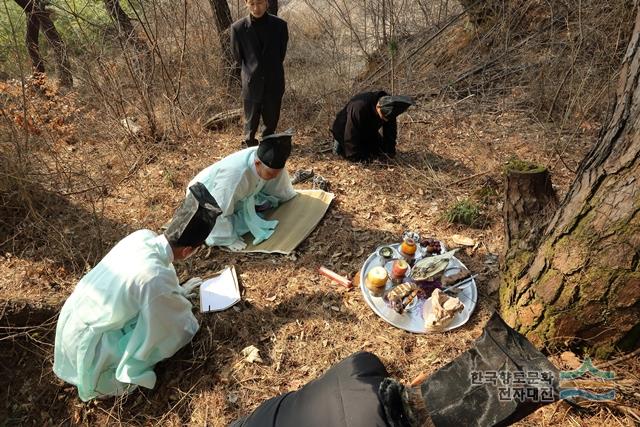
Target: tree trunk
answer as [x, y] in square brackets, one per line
[126, 31]
[59, 48]
[384, 22]
[582, 284]
[33, 46]
[38, 19]
[222, 17]
[529, 201]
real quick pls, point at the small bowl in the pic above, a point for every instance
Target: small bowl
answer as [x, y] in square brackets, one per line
[385, 252]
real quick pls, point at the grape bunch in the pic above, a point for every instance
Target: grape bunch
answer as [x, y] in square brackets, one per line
[432, 246]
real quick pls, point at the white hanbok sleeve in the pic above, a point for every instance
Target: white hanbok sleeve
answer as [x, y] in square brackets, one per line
[228, 185]
[280, 187]
[230, 188]
[165, 324]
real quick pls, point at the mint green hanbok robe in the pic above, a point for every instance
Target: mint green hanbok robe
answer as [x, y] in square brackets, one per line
[125, 315]
[236, 186]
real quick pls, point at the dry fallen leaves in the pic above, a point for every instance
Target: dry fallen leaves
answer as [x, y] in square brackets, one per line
[251, 354]
[461, 240]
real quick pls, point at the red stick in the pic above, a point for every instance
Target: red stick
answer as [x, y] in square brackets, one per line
[341, 280]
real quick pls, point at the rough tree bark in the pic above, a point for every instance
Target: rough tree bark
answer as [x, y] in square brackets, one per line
[222, 17]
[529, 201]
[38, 20]
[582, 283]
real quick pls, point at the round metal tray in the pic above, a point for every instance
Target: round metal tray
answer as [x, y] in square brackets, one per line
[411, 320]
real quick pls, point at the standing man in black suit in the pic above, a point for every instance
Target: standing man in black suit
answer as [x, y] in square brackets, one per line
[259, 43]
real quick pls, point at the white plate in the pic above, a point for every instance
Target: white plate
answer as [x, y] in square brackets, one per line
[411, 320]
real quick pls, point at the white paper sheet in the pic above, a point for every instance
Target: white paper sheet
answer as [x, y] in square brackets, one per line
[220, 292]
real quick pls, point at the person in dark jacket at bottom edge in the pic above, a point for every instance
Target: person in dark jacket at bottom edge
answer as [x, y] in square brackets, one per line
[358, 392]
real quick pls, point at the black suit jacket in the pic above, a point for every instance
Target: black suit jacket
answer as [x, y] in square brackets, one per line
[262, 70]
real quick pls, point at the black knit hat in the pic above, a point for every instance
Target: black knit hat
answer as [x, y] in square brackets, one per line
[194, 219]
[274, 150]
[393, 106]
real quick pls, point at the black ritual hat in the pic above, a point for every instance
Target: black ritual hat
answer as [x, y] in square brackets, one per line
[393, 106]
[274, 150]
[500, 380]
[194, 219]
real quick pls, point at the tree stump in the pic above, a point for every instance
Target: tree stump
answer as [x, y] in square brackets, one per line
[529, 201]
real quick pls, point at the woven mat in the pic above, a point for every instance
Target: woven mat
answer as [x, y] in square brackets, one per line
[297, 219]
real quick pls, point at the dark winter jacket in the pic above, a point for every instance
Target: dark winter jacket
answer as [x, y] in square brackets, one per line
[357, 129]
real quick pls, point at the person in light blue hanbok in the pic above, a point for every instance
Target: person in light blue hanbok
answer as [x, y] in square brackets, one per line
[245, 183]
[129, 312]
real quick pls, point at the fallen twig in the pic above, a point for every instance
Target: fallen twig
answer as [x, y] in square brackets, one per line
[467, 178]
[620, 359]
[627, 410]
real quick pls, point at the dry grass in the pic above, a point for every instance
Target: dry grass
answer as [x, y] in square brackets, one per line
[96, 179]
[301, 323]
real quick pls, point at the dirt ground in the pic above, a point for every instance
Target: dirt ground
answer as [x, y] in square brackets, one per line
[300, 321]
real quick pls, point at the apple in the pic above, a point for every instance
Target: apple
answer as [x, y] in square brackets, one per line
[377, 277]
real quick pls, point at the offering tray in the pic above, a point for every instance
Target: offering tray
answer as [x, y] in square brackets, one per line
[411, 319]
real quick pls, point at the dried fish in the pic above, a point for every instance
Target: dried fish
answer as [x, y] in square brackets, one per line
[412, 295]
[429, 267]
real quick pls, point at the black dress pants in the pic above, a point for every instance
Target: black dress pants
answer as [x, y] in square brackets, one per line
[269, 110]
[345, 396]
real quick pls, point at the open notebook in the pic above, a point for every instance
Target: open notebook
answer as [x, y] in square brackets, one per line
[220, 292]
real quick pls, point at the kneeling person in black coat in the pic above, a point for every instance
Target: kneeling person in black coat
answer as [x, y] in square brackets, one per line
[354, 393]
[358, 393]
[356, 129]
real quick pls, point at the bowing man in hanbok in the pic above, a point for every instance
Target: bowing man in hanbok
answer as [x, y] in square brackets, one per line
[244, 184]
[129, 312]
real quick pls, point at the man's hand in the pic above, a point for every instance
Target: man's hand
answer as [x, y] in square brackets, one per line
[263, 207]
[237, 246]
[191, 285]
